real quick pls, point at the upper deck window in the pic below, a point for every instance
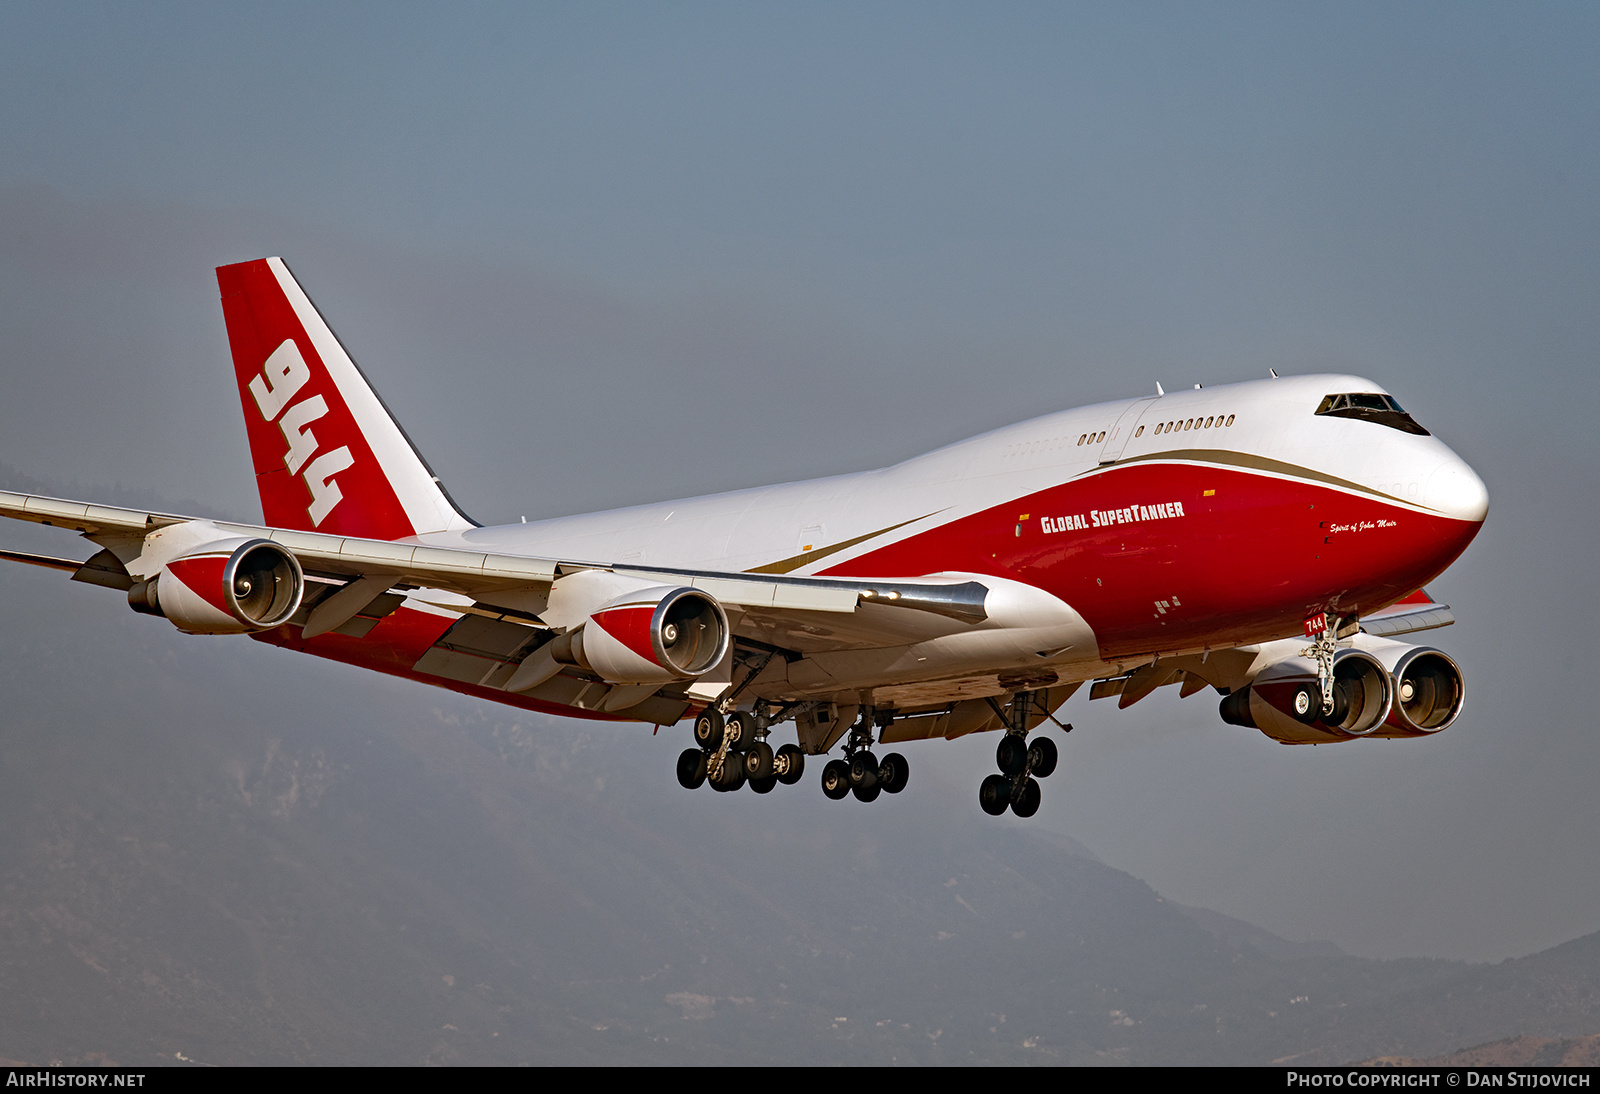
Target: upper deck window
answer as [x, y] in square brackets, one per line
[1381, 409]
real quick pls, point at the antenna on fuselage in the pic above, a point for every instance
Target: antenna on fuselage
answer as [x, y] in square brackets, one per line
[1158, 388]
[1272, 372]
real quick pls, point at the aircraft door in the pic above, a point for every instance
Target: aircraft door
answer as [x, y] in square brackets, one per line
[1117, 439]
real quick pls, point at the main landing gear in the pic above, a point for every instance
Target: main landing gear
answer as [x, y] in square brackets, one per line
[1021, 765]
[860, 772]
[733, 752]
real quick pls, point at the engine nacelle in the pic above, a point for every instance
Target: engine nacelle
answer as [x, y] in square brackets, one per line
[228, 586]
[1284, 700]
[1428, 687]
[652, 635]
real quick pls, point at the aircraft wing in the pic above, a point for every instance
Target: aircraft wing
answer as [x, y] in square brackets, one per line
[503, 581]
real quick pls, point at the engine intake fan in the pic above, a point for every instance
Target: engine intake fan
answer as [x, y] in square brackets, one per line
[230, 586]
[652, 635]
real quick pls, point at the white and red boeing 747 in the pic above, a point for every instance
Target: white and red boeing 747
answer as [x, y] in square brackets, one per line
[1263, 538]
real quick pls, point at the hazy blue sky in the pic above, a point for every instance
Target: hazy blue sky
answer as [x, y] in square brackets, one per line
[598, 254]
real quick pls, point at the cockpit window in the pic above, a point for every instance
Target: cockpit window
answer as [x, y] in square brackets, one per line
[1381, 409]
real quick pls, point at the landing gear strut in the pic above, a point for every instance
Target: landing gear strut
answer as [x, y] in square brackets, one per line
[1325, 630]
[1324, 644]
[1021, 764]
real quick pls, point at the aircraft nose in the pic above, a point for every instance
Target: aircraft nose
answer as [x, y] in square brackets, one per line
[1455, 490]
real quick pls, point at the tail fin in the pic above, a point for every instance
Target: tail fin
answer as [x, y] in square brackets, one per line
[328, 455]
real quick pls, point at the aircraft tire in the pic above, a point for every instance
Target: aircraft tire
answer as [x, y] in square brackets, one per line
[732, 774]
[1028, 804]
[836, 779]
[790, 764]
[741, 731]
[758, 762]
[1012, 753]
[893, 773]
[1306, 703]
[1042, 757]
[691, 769]
[994, 795]
[764, 786]
[1341, 706]
[867, 793]
[863, 769]
[708, 729]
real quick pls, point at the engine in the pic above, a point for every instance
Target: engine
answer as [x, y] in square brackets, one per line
[228, 586]
[1382, 688]
[652, 635]
[1428, 688]
[1284, 700]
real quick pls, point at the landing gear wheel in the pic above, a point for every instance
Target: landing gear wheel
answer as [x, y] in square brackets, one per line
[1341, 707]
[732, 774]
[836, 779]
[1012, 753]
[1028, 804]
[741, 730]
[764, 786]
[789, 763]
[708, 729]
[863, 770]
[994, 795]
[691, 768]
[1306, 703]
[867, 793]
[1042, 757]
[758, 762]
[893, 773]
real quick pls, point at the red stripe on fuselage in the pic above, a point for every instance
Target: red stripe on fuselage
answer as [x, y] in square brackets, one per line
[1250, 557]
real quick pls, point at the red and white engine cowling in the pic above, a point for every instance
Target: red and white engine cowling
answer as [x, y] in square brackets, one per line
[1382, 688]
[1284, 700]
[652, 635]
[227, 586]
